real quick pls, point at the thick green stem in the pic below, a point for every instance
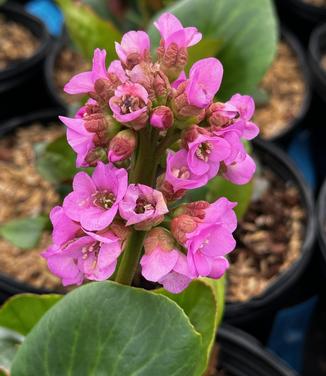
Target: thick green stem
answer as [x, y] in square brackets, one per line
[130, 258]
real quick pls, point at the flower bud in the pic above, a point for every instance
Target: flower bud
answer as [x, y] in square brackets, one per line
[190, 134]
[173, 59]
[167, 189]
[95, 155]
[122, 145]
[162, 118]
[220, 115]
[194, 209]
[182, 225]
[159, 237]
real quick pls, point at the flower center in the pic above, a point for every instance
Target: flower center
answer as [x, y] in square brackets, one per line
[181, 173]
[93, 248]
[142, 205]
[130, 104]
[203, 151]
[104, 199]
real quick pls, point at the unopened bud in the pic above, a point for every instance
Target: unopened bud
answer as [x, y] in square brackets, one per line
[104, 89]
[122, 145]
[167, 189]
[190, 134]
[159, 237]
[194, 209]
[162, 118]
[220, 115]
[95, 155]
[182, 225]
[173, 59]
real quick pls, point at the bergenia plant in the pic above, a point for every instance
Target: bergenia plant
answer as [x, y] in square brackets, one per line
[152, 132]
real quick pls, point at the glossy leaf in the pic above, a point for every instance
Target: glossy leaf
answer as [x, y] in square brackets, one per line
[9, 343]
[24, 233]
[88, 30]
[56, 161]
[203, 303]
[245, 34]
[21, 312]
[242, 194]
[109, 329]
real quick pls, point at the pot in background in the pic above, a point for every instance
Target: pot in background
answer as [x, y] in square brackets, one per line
[242, 355]
[295, 284]
[21, 84]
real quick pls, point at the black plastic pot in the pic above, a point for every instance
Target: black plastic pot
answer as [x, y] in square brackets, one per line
[298, 282]
[321, 225]
[301, 17]
[242, 355]
[22, 84]
[8, 285]
[49, 73]
[286, 135]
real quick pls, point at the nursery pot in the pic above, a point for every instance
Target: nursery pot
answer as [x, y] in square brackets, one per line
[284, 137]
[242, 355]
[8, 285]
[321, 225]
[21, 83]
[293, 285]
[301, 16]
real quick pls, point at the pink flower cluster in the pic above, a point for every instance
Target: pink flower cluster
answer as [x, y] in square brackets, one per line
[135, 95]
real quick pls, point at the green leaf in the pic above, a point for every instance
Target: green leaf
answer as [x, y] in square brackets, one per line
[245, 33]
[104, 328]
[261, 97]
[9, 343]
[242, 194]
[21, 312]
[56, 161]
[88, 30]
[203, 303]
[24, 233]
[206, 48]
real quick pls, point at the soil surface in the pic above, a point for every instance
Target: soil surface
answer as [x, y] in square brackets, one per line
[269, 238]
[68, 63]
[285, 86]
[16, 43]
[316, 3]
[24, 193]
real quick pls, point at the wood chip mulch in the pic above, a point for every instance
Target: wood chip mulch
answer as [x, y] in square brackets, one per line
[269, 240]
[285, 87]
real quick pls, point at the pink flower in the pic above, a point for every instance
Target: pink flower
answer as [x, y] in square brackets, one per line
[79, 138]
[122, 145]
[241, 170]
[172, 31]
[205, 154]
[246, 108]
[142, 205]
[95, 200]
[161, 118]
[129, 105]
[84, 82]
[163, 262]
[178, 173]
[76, 254]
[134, 48]
[208, 239]
[205, 78]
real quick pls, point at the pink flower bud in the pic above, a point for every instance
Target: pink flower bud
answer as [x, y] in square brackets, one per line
[162, 118]
[122, 145]
[181, 225]
[167, 189]
[220, 115]
[159, 237]
[96, 155]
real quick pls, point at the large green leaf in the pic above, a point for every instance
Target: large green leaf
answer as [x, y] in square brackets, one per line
[24, 233]
[21, 312]
[242, 194]
[203, 303]
[88, 30]
[9, 342]
[109, 329]
[245, 33]
[56, 161]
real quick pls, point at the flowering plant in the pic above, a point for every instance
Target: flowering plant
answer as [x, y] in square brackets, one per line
[151, 133]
